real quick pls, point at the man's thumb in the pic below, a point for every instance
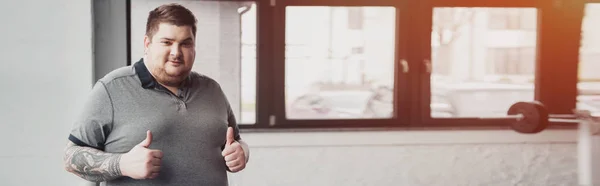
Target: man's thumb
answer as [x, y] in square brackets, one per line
[148, 140]
[230, 138]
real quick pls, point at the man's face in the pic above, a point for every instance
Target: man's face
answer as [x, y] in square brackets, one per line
[170, 53]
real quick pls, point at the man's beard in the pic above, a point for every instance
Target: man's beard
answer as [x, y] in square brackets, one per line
[173, 81]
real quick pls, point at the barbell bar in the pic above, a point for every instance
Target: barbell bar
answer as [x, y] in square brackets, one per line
[564, 118]
[533, 117]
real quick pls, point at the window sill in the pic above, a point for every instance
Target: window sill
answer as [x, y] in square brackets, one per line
[267, 138]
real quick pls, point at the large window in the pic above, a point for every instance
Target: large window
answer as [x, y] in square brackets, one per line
[343, 66]
[589, 60]
[340, 65]
[474, 65]
[387, 64]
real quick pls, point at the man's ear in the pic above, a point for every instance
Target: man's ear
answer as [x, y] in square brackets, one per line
[147, 42]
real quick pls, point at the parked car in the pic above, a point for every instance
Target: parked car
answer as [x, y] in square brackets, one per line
[346, 104]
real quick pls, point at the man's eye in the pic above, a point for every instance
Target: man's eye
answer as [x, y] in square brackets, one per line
[166, 42]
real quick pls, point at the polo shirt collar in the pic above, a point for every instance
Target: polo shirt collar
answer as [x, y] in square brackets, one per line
[148, 81]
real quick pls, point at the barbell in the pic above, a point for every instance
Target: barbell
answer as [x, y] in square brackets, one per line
[533, 117]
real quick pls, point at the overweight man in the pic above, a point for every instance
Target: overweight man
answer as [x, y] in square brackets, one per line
[156, 122]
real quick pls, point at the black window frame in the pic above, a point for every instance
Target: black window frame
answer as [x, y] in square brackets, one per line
[558, 32]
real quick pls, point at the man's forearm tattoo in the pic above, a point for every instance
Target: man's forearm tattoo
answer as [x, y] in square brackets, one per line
[92, 164]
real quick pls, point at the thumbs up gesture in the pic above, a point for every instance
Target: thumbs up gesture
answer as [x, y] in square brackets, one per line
[235, 159]
[141, 162]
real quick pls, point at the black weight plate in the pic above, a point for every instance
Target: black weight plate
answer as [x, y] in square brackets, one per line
[535, 117]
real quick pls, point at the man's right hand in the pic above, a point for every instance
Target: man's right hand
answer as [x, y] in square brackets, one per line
[141, 162]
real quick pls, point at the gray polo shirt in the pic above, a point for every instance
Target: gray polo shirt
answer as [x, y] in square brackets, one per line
[189, 127]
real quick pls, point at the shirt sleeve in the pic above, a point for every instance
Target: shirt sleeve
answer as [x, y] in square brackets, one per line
[94, 123]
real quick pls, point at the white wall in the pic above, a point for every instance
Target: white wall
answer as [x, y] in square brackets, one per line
[47, 73]
[410, 158]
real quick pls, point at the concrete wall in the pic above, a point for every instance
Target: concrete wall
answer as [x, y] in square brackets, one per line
[45, 76]
[47, 72]
[410, 158]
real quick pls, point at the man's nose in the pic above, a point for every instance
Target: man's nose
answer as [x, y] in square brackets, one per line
[175, 50]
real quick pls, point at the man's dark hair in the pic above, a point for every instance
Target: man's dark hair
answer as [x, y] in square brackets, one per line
[174, 14]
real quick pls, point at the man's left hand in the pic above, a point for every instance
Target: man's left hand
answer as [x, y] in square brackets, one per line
[233, 153]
